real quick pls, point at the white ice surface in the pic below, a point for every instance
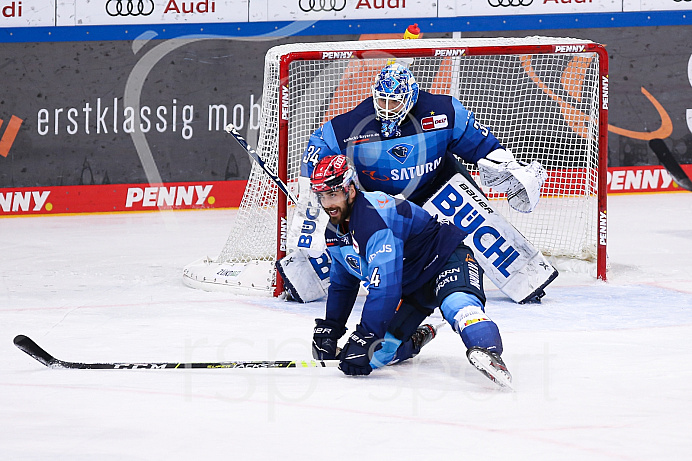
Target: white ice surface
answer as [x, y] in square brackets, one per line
[602, 371]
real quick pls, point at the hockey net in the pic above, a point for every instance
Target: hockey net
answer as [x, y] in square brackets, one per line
[545, 98]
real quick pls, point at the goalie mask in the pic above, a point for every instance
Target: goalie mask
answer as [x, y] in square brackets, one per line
[394, 93]
[332, 173]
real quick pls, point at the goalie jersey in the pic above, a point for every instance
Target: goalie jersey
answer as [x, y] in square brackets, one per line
[414, 164]
[394, 246]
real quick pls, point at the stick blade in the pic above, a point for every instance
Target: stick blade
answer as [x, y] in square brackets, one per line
[667, 159]
[28, 346]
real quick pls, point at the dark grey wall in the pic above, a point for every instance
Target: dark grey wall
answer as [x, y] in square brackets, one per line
[41, 80]
[63, 83]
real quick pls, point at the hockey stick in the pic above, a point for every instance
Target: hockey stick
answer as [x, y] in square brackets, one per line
[27, 345]
[254, 156]
[670, 163]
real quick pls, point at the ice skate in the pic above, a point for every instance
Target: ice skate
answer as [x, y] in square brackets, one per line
[423, 335]
[491, 365]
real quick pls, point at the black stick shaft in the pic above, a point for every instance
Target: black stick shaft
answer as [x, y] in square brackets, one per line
[670, 163]
[255, 156]
[27, 345]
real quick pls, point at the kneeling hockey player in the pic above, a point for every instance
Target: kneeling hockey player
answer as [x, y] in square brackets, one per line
[411, 264]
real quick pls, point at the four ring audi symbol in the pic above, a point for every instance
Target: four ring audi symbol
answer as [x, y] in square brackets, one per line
[129, 7]
[322, 5]
[682, 1]
[496, 3]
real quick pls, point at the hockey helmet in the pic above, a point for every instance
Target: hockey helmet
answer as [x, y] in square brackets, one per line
[332, 173]
[394, 93]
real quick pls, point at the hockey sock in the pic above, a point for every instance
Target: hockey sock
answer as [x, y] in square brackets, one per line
[465, 313]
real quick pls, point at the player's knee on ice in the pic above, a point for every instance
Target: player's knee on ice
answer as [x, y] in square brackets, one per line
[465, 313]
[398, 345]
[394, 350]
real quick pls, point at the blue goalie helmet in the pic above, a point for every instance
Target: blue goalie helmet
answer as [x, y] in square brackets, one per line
[394, 93]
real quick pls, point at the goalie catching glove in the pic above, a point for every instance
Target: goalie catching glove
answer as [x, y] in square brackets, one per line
[521, 182]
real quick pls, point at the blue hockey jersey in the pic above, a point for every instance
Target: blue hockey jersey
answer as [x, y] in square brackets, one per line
[393, 245]
[414, 164]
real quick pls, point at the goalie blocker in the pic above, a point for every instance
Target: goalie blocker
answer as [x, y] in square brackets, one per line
[510, 261]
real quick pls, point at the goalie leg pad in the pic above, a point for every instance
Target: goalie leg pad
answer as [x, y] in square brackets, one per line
[305, 270]
[308, 222]
[510, 261]
[305, 279]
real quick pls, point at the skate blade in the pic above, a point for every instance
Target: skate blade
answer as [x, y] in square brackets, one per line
[484, 364]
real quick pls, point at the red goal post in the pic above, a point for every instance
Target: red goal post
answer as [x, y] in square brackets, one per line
[544, 98]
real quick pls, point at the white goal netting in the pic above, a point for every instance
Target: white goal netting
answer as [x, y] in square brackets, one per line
[538, 95]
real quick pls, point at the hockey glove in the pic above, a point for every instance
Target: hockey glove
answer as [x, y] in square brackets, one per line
[521, 182]
[355, 357]
[324, 339]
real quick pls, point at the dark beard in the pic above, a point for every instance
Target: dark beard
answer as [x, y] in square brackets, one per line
[345, 214]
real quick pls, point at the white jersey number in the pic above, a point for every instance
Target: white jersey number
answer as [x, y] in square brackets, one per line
[312, 155]
[375, 279]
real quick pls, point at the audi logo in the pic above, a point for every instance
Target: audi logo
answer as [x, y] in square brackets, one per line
[129, 7]
[682, 1]
[322, 5]
[496, 3]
